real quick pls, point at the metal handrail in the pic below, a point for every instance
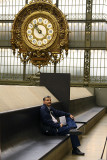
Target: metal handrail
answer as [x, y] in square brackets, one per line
[103, 150]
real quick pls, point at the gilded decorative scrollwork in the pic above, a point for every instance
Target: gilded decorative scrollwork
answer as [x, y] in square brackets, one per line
[87, 43]
[35, 1]
[40, 32]
[86, 67]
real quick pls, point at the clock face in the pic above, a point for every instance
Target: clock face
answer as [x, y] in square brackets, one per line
[40, 31]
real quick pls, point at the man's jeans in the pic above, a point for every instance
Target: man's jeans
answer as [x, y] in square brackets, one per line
[65, 130]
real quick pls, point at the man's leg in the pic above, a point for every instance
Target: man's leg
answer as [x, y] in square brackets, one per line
[75, 141]
[74, 138]
[63, 130]
[71, 123]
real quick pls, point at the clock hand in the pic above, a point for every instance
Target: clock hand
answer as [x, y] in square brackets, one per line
[39, 31]
[36, 27]
[42, 33]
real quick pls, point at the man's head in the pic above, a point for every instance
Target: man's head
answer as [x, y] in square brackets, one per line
[47, 101]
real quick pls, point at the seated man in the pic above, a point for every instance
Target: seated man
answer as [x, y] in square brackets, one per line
[51, 126]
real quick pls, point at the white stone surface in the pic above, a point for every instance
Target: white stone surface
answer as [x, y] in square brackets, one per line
[18, 97]
[80, 92]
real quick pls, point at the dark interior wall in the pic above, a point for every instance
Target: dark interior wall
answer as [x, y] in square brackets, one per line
[13, 123]
[19, 125]
[79, 105]
[59, 85]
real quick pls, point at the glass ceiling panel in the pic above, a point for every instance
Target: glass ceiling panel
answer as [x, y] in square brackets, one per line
[77, 34]
[74, 9]
[98, 34]
[99, 9]
[98, 66]
[8, 8]
[5, 34]
[73, 64]
[11, 67]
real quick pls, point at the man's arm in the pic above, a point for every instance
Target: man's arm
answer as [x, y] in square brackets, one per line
[59, 113]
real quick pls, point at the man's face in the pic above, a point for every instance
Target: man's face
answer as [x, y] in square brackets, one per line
[47, 102]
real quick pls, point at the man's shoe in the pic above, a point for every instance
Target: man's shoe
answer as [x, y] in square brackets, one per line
[75, 132]
[78, 152]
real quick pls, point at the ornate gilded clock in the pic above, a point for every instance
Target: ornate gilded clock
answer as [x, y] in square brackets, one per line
[40, 32]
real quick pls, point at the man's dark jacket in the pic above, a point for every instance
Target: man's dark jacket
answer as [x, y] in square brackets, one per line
[48, 126]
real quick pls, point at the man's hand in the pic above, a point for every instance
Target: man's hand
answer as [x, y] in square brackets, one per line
[71, 116]
[61, 125]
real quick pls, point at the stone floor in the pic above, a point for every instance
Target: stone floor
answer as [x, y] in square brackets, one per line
[93, 143]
